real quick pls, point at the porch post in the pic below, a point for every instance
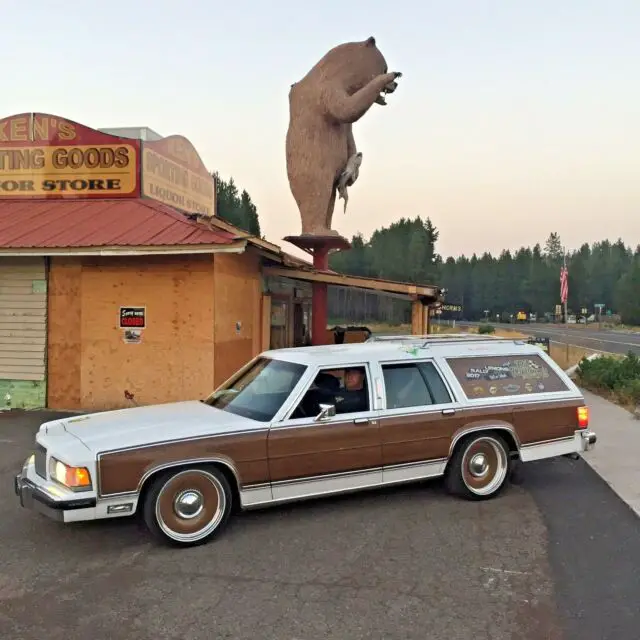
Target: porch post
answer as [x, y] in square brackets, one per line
[417, 318]
[319, 299]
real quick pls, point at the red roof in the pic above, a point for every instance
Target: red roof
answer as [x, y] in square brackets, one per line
[40, 224]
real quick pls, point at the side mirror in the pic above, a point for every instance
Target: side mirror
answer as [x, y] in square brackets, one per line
[326, 411]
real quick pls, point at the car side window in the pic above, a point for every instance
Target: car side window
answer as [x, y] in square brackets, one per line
[345, 388]
[438, 388]
[413, 384]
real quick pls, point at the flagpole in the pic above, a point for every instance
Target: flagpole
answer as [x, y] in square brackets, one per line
[566, 300]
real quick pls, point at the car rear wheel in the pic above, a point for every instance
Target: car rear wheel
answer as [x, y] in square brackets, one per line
[479, 467]
[187, 507]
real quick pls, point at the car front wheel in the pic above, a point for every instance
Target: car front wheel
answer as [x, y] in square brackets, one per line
[187, 507]
[479, 467]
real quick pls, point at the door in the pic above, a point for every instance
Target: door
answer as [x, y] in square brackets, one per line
[23, 333]
[418, 421]
[310, 456]
[279, 323]
[298, 324]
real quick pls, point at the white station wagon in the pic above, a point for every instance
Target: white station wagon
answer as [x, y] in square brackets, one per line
[312, 421]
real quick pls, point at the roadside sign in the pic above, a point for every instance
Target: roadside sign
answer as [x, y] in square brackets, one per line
[543, 343]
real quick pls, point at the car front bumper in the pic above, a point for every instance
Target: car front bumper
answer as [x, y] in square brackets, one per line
[49, 502]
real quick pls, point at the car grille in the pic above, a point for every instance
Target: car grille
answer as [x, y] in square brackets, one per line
[40, 461]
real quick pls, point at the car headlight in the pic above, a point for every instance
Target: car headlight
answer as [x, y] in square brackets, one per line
[76, 478]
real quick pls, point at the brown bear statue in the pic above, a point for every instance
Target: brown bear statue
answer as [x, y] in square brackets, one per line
[323, 106]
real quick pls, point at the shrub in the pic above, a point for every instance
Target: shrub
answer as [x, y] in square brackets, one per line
[486, 328]
[619, 376]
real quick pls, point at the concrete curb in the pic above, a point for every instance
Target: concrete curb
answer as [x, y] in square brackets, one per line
[572, 370]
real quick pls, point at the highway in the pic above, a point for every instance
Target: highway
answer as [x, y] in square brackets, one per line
[590, 338]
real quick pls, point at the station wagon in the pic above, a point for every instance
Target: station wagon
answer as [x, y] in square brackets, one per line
[305, 422]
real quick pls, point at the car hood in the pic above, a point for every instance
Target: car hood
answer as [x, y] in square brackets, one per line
[132, 427]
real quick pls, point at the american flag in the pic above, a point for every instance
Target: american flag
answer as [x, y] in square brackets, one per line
[564, 284]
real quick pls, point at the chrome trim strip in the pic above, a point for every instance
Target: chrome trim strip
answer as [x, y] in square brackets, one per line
[324, 476]
[339, 419]
[395, 474]
[551, 440]
[409, 465]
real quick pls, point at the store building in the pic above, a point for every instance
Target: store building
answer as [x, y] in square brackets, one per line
[118, 283]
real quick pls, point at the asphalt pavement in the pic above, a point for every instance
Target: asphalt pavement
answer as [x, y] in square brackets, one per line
[554, 557]
[588, 337]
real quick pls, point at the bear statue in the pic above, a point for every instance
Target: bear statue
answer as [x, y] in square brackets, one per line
[323, 106]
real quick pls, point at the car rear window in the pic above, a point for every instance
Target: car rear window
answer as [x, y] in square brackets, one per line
[499, 376]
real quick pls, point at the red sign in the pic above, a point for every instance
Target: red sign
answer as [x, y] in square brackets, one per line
[44, 156]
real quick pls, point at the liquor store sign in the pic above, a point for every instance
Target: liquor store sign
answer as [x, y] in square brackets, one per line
[44, 156]
[173, 173]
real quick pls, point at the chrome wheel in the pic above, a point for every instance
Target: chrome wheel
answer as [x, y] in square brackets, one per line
[484, 465]
[190, 505]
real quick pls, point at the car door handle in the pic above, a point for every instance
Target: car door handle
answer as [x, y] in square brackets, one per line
[448, 412]
[361, 421]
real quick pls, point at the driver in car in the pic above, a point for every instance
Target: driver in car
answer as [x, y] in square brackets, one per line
[354, 398]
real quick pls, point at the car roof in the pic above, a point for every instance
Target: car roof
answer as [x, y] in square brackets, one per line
[404, 348]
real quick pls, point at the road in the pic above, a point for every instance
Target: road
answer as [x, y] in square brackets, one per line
[591, 338]
[554, 557]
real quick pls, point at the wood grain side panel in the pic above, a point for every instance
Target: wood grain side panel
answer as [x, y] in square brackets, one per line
[329, 448]
[428, 436]
[122, 471]
[538, 423]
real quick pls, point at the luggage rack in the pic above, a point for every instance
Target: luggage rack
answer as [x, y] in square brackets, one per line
[435, 338]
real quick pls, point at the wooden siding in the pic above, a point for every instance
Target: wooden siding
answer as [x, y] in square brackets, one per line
[23, 319]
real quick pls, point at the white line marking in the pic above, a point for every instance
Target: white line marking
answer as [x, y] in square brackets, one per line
[519, 573]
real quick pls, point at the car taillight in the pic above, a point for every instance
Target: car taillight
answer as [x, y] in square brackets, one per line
[583, 417]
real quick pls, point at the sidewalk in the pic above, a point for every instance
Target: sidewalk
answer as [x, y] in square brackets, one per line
[616, 456]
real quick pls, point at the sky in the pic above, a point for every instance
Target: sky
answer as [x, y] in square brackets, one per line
[511, 120]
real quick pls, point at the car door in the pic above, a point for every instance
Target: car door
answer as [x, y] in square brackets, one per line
[417, 420]
[311, 456]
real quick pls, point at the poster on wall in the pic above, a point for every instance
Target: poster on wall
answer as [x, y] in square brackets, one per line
[132, 336]
[132, 321]
[133, 317]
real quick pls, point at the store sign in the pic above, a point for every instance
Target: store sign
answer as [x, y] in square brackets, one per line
[173, 173]
[133, 317]
[43, 156]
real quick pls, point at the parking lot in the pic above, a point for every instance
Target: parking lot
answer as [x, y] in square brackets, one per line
[554, 557]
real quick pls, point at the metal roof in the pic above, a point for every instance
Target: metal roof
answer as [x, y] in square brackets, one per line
[47, 224]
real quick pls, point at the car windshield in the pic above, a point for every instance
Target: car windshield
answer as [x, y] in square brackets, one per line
[260, 391]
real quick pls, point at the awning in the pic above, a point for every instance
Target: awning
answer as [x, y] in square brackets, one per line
[426, 293]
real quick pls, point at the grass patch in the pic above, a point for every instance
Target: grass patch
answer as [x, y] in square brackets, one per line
[568, 355]
[616, 378]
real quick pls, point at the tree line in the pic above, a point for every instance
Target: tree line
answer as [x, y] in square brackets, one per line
[236, 207]
[528, 279]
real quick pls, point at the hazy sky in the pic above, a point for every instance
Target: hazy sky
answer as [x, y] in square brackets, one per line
[512, 118]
